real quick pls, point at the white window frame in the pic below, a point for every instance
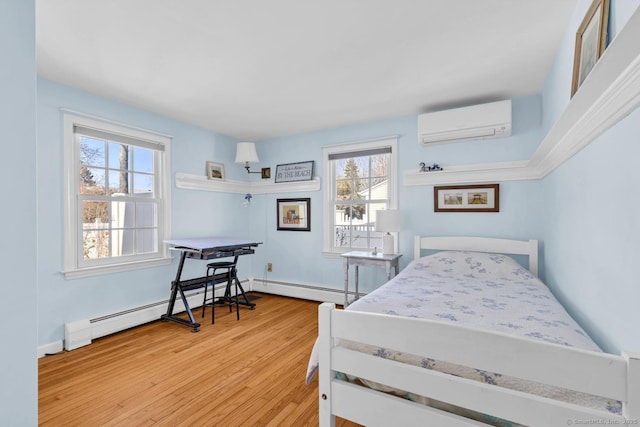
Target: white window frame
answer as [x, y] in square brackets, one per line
[74, 266]
[329, 248]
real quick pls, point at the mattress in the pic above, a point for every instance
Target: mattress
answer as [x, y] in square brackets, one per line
[486, 291]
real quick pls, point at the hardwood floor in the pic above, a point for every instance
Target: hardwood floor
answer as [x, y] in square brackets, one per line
[234, 373]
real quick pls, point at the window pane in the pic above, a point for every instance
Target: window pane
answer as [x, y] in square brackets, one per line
[122, 242]
[92, 151]
[380, 190]
[118, 183]
[142, 160]
[122, 214]
[361, 166]
[344, 189]
[146, 215]
[380, 165]
[119, 156]
[142, 183]
[95, 214]
[92, 181]
[342, 236]
[95, 244]
[147, 240]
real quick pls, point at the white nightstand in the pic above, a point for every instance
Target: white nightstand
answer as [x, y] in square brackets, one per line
[367, 259]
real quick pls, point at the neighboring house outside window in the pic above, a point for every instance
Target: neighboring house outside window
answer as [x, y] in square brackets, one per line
[360, 179]
[117, 197]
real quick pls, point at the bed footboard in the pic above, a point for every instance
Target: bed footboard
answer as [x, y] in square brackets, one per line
[600, 374]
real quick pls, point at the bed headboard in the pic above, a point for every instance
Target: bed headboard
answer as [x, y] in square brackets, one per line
[480, 244]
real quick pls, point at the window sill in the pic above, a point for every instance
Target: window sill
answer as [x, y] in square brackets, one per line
[116, 268]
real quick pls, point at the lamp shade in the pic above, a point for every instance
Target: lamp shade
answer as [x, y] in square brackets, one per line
[246, 153]
[388, 220]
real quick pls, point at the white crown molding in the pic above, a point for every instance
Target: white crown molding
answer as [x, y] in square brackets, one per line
[609, 94]
[198, 182]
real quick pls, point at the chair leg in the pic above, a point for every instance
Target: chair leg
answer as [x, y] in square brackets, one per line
[204, 301]
[213, 303]
[237, 299]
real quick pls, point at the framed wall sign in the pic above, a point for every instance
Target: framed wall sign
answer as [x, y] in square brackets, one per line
[591, 40]
[294, 214]
[467, 198]
[302, 171]
[215, 170]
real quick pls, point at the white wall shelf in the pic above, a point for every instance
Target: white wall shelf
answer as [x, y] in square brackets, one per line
[609, 93]
[199, 182]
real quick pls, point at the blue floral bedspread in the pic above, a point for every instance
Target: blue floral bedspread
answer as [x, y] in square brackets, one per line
[487, 291]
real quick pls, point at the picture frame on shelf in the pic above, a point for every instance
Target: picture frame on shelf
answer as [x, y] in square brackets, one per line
[591, 41]
[292, 172]
[467, 198]
[293, 214]
[215, 170]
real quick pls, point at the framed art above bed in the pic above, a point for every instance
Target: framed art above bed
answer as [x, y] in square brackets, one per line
[467, 198]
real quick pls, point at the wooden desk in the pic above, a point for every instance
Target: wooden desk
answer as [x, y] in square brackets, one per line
[204, 249]
[367, 259]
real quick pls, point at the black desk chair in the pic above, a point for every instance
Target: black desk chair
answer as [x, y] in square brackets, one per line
[230, 268]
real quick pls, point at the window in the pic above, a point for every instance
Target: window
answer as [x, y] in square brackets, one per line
[117, 197]
[360, 179]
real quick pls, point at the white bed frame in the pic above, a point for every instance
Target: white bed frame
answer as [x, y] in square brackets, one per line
[601, 374]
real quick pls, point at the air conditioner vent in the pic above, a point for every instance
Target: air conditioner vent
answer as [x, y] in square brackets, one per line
[483, 121]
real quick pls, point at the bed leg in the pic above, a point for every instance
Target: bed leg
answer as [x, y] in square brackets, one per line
[325, 371]
[631, 408]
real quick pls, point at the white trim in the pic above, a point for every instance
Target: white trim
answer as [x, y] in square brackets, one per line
[199, 182]
[356, 143]
[102, 120]
[50, 348]
[115, 268]
[328, 214]
[610, 93]
[73, 267]
[297, 290]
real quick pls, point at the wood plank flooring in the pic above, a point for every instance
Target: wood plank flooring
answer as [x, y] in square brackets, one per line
[234, 373]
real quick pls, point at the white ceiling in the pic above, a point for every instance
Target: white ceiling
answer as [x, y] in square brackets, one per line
[257, 69]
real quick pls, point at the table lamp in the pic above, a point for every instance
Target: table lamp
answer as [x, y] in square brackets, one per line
[389, 221]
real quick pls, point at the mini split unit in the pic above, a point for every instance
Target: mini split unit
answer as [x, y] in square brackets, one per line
[483, 121]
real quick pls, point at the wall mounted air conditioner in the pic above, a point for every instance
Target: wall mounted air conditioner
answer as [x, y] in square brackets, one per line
[482, 121]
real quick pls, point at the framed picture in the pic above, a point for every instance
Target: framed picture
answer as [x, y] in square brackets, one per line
[467, 198]
[215, 170]
[591, 40]
[302, 171]
[294, 214]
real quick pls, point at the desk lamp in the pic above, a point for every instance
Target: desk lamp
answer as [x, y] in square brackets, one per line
[246, 153]
[389, 221]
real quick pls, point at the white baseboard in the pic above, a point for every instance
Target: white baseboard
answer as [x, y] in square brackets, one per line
[117, 322]
[51, 348]
[298, 290]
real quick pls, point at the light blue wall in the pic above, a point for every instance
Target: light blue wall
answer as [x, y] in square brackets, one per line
[297, 256]
[526, 207]
[18, 334]
[590, 223]
[194, 213]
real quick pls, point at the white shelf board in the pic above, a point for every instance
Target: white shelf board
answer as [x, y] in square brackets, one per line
[199, 182]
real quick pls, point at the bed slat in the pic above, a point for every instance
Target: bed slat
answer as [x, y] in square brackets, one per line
[485, 398]
[580, 370]
[371, 408]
